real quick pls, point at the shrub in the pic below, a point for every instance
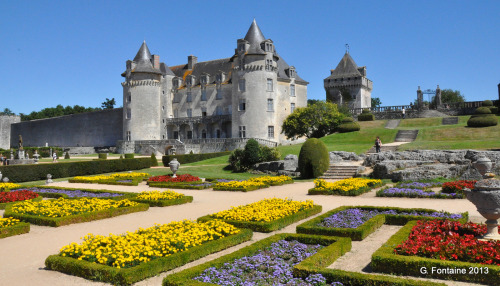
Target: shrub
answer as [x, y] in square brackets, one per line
[66, 156]
[494, 109]
[483, 110]
[251, 153]
[269, 154]
[314, 159]
[488, 103]
[103, 156]
[190, 158]
[236, 161]
[482, 121]
[154, 162]
[348, 125]
[365, 111]
[129, 156]
[366, 117]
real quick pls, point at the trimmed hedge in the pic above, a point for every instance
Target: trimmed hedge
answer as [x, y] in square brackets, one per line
[482, 120]
[129, 156]
[5, 205]
[334, 248]
[362, 231]
[366, 117]
[487, 103]
[127, 276]
[271, 225]
[386, 261]
[165, 203]
[18, 228]
[352, 193]
[84, 217]
[348, 125]
[179, 185]
[190, 158]
[103, 156]
[314, 158]
[35, 172]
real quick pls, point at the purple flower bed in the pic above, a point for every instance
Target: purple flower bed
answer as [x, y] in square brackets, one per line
[271, 266]
[418, 185]
[74, 193]
[416, 193]
[352, 218]
[124, 181]
[202, 185]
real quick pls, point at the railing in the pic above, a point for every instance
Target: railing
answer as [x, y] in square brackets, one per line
[399, 108]
[198, 119]
[265, 142]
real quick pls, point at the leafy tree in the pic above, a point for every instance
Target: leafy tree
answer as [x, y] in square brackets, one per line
[376, 102]
[59, 110]
[7, 111]
[108, 103]
[449, 96]
[315, 121]
[312, 101]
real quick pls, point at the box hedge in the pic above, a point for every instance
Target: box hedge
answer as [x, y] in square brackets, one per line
[348, 125]
[35, 172]
[128, 276]
[129, 156]
[366, 117]
[334, 248]
[165, 203]
[362, 231]
[190, 158]
[314, 158]
[103, 156]
[83, 217]
[18, 228]
[271, 225]
[386, 261]
[482, 120]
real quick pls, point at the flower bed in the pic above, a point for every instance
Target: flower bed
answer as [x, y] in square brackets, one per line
[185, 178]
[358, 222]
[7, 186]
[60, 192]
[162, 199]
[198, 185]
[416, 193]
[11, 197]
[126, 179]
[447, 242]
[457, 186]
[239, 186]
[273, 180]
[261, 256]
[418, 185]
[63, 211]
[11, 226]
[346, 187]
[266, 215]
[128, 258]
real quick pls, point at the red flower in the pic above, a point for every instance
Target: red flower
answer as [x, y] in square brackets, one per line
[14, 196]
[179, 178]
[457, 186]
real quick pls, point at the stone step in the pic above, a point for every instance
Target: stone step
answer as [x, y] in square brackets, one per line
[406, 135]
[335, 172]
[449, 120]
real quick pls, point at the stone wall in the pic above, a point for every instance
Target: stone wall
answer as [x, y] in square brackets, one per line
[92, 129]
[5, 123]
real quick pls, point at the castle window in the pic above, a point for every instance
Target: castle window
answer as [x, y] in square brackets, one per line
[190, 134]
[292, 90]
[176, 113]
[242, 132]
[270, 104]
[129, 113]
[218, 110]
[163, 136]
[203, 133]
[242, 106]
[176, 134]
[292, 107]
[189, 97]
[217, 133]
[204, 111]
[241, 84]
[269, 84]
[269, 64]
[129, 98]
[163, 120]
[189, 112]
[177, 98]
[270, 131]
[229, 109]
[163, 108]
[218, 95]
[204, 94]
[129, 136]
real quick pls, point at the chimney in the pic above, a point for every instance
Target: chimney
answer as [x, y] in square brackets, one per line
[156, 61]
[192, 60]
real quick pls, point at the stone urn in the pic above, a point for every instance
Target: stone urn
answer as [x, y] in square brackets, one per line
[486, 197]
[484, 165]
[49, 179]
[0, 175]
[174, 166]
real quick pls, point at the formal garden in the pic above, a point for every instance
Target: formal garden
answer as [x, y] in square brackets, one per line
[122, 221]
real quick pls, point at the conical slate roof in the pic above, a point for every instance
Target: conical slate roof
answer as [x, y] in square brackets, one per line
[143, 53]
[346, 67]
[143, 60]
[254, 35]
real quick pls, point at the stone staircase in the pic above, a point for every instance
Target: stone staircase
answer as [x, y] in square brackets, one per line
[336, 172]
[406, 135]
[449, 120]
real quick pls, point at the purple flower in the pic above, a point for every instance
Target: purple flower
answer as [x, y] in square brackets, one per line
[74, 193]
[415, 193]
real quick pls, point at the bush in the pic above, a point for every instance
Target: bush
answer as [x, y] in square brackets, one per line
[103, 156]
[154, 162]
[348, 125]
[365, 111]
[482, 121]
[314, 159]
[482, 110]
[129, 156]
[236, 161]
[269, 154]
[190, 158]
[366, 117]
[66, 156]
[251, 153]
[494, 109]
[488, 103]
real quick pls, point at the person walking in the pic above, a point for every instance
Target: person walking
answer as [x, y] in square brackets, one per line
[378, 144]
[54, 157]
[404, 113]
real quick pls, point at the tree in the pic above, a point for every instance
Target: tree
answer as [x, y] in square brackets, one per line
[449, 96]
[376, 102]
[108, 103]
[7, 111]
[312, 101]
[315, 121]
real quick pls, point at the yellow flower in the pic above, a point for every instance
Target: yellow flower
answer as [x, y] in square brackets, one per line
[157, 195]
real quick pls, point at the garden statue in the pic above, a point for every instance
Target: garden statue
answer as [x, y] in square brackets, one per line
[36, 156]
[174, 166]
[20, 142]
[49, 179]
[0, 175]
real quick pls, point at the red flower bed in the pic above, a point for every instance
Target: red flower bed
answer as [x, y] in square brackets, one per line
[14, 196]
[450, 240]
[178, 179]
[457, 186]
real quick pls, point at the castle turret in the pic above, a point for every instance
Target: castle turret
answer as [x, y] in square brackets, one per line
[141, 96]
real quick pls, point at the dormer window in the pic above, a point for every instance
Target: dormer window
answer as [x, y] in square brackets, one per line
[204, 79]
[291, 72]
[267, 46]
[220, 77]
[190, 80]
[177, 82]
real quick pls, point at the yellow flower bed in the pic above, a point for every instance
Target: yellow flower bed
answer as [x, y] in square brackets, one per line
[8, 186]
[157, 195]
[143, 245]
[6, 222]
[240, 185]
[265, 210]
[345, 185]
[272, 180]
[63, 207]
[111, 177]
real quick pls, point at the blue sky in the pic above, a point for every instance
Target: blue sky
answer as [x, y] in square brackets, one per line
[73, 52]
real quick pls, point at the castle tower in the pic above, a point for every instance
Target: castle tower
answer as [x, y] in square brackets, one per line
[143, 104]
[255, 87]
[348, 84]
